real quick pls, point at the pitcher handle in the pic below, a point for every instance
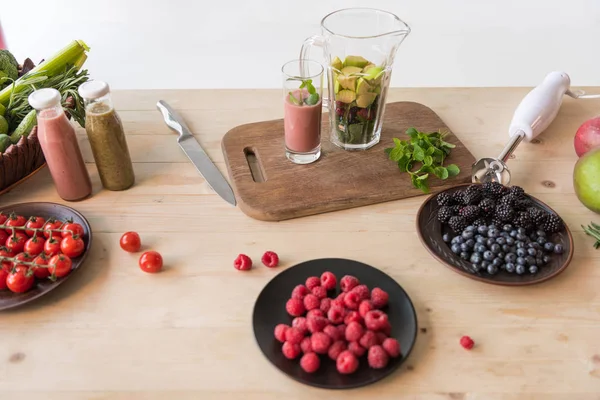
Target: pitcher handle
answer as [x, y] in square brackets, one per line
[318, 41]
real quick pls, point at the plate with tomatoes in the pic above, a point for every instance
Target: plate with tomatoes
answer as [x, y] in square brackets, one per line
[41, 246]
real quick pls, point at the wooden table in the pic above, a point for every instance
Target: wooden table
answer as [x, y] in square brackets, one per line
[114, 332]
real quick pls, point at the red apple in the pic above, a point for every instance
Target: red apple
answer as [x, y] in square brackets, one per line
[587, 136]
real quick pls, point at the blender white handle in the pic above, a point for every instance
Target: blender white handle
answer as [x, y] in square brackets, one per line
[539, 108]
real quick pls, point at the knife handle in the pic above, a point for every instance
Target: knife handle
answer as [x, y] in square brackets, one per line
[172, 119]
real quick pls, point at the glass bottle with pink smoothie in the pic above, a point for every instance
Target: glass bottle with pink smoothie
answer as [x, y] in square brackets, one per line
[302, 105]
[59, 144]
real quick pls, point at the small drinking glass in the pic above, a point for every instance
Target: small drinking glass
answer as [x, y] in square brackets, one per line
[302, 106]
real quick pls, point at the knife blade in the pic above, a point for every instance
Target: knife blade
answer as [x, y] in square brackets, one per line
[196, 153]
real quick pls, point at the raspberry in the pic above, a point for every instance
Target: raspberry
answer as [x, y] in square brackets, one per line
[376, 320]
[280, 332]
[339, 301]
[325, 304]
[306, 345]
[300, 324]
[328, 280]
[312, 282]
[315, 313]
[242, 262]
[294, 336]
[391, 346]
[336, 314]
[352, 300]
[316, 324]
[311, 302]
[270, 259]
[342, 330]
[362, 291]
[295, 307]
[356, 349]
[320, 342]
[346, 362]
[467, 342]
[299, 292]
[320, 292]
[354, 331]
[353, 316]
[381, 337]
[368, 340]
[387, 329]
[377, 357]
[348, 282]
[379, 298]
[364, 307]
[291, 351]
[333, 333]
[336, 348]
[310, 362]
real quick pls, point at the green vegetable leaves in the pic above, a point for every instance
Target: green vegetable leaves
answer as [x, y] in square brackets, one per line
[593, 230]
[427, 149]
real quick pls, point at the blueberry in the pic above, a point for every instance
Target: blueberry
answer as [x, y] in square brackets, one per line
[507, 228]
[510, 268]
[478, 236]
[497, 262]
[459, 239]
[464, 247]
[533, 237]
[521, 252]
[558, 249]
[470, 228]
[467, 235]
[454, 240]
[484, 264]
[521, 236]
[495, 248]
[470, 243]
[506, 248]
[530, 260]
[520, 269]
[455, 248]
[446, 237]
[490, 242]
[488, 256]
[532, 252]
[520, 260]
[510, 258]
[493, 233]
[549, 246]
[541, 240]
[501, 255]
[479, 248]
[539, 261]
[536, 246]
[533, 269]
[464, 255]
[541, 233]
[475, 258]
[520, 245]
[482, 229]
[510, 241]
[492, 269]
[501, 241]
[492, 226]
[546, 259]
[521, 231]
[481, 240]
[513, 234]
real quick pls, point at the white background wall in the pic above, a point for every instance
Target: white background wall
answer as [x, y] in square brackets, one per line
[243, 43]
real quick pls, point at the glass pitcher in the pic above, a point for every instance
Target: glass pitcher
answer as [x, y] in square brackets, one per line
[359, 46]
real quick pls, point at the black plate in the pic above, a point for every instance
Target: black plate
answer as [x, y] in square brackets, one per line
[9, 299]
[269, 310]
[430, 232]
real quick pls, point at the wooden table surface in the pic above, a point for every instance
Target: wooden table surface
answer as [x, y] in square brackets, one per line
[114, 332]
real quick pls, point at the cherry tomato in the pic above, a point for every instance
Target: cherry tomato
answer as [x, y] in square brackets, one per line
[20, 279]
[72, 246]
[41, 272]
[52, 246]
[4, 252]
[16, 242]
[72, 229]
[34, 245]
[59, 265]
[3, 218]
[3, 236]
[151, 261]
[23, 257]
[14, 220]
[34, 223]
[3, 275]
[131, 242]
[52, 224]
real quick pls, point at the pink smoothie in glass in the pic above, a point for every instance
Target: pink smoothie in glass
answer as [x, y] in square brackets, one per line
[302, 124]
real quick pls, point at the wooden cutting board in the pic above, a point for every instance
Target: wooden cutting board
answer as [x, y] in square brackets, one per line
[269, 187]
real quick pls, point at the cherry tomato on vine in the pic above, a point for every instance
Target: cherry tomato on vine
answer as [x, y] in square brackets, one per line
[3, 236]
[72, 229]
[41, 272]
[23, 257]
[52, 224]
[131, 242]
[52, 246]
[16, 242]
[20, 279]
[14, 220]
[151, 261]
[72, 246]
[3, 218]
[4, 252]
[3, 275]
[59, 265]
[34, 223]
[34, 245]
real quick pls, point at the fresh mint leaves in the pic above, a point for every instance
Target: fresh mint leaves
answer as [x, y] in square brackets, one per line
[425, 150]
[313, 96]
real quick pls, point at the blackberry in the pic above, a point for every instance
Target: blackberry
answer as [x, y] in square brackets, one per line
[538, 217]
[487, 206]
[457, 223]
[493, 189]
[444, 214]
[522, 204]
[457, 197]
[523, 220]
[479, 222]
[472, 195]
[517, 191]
[444, 199]
[552, 224]
[455, 209]
[469, 212]
[508, 200]
[504, 213]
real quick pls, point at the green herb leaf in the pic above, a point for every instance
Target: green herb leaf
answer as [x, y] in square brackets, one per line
[312, 99]
[397, 153]
[428, 160]
[404, 163]
[294, 100]
[430, 151]
[441, 172]
[453, 170]
[418, 153]
[412, 133]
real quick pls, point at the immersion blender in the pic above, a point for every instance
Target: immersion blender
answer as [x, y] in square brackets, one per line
[533, 115]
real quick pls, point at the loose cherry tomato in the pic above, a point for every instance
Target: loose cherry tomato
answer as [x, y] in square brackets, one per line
[4, 252]
[151, 261]
[34, 245]
[72, 229]
[59, 265]
[16, 242]
[14, 220]
[34, 223]
[41, 272]
[131, 242]
[3, 218]
[52, 246]
[3, 275]
[3, 236]
[72, 246]
[52, 224]
[20, 279]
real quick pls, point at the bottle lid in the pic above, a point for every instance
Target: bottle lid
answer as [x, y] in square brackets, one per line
[93, 89]
[44, 98]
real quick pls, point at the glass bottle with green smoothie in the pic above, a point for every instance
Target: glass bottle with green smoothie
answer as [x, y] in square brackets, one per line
[107, 138]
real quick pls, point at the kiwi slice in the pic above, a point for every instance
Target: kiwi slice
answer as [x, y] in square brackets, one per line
[365, 100]
[337, 63]
[345, 96]
[362, 86]
[355, 61]
[351, 70]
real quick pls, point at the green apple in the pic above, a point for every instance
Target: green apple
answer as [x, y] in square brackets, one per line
[337, 63]
[586, 180]
[355, 61]
[362, 86]
[365, 100]
[345, 96]
[351, 70]
[347, 82]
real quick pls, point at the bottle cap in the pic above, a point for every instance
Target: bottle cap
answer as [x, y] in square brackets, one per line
[93, 89]
[44, 98]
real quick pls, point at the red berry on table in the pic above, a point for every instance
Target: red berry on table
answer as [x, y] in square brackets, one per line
[379, 298]
[151, 262]
[280, 331]
[315, 313]
[368, 340]
[339, 301]
[316, 324]
[130, 242]
[354, 331]
[299, 292]
[242, 262]
[342, 330]
[333, 333]
[312, 282]
[294, 336]
[306, 345]
[467, 342]
[336, 314]
[392, 347]
[346, 363]
[377, 357]
[328, 280]
[320, 292]
[301, 324]
[348, 282]
[325, 304]
[290, 351]
[362, 291]
[295, 307]
[336, 349]
[376, 320]
[356, 349]
[320, 342]
[310, 362]
[311, 302]
[353, 316]
[352, 300]
[270, 259]
[364, 307]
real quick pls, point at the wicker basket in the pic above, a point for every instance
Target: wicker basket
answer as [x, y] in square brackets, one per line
[20, 161]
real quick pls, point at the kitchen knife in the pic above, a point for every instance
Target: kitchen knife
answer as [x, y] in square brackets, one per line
[196, 153]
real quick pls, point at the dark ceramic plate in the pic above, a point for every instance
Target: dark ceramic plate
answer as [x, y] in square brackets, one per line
[430, 232]
[269, 311]
[9, 299]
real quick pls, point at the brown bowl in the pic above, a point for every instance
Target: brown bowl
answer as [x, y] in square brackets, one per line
[430, 232]
[9, 299]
